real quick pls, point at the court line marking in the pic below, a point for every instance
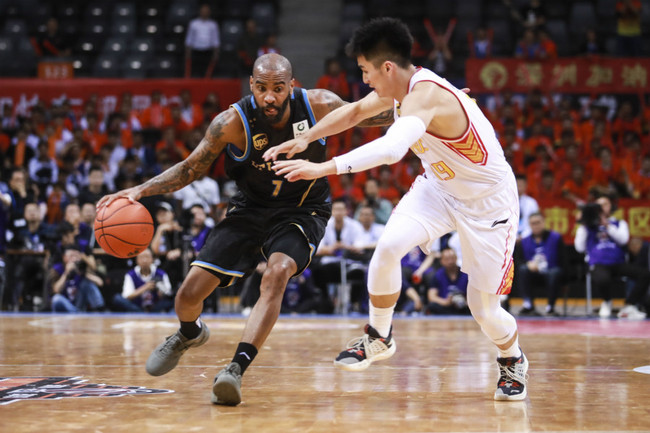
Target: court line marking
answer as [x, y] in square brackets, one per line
[319, 366]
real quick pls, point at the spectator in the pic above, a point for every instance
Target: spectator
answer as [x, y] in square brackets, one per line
[370, 232]
[628, 27]
[382, 207]
[531, 17]
[83, 234]
[269, 46]
[169, 148]
[198, 230]
[387, 189]
[577, 188]
[28, 266]
[591, 46]
[416, 274]
[203, 191]
[528, 47]
[641, 179]
[548, 46]
[334, 79]
[447, 293]
[146, 288]
[344, 189]
[191, 112]
[247, 47]
[202, 45]
[96, 187]
[548, 189]
[21, 194]
[540, 256]
[603, 238]
[43, 170]
[481, 47]
[167, 243]
[21, 149]
[341, 235]
[301, 295]
[440, 55]
[156, 114]
[607, 174]
[52, 43]
[527, 206]
[75, 285]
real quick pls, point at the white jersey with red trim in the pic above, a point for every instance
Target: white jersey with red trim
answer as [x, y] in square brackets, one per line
[467, 166]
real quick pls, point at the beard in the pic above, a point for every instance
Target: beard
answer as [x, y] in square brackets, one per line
[272, 120]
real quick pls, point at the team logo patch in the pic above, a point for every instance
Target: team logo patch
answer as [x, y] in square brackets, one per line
[300, 128]
[260, 141]
[14, 389]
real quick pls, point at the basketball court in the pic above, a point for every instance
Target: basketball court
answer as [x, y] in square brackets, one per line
[85, 373]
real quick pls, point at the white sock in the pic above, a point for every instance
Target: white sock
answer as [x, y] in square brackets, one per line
[512, 352]
[381, 319]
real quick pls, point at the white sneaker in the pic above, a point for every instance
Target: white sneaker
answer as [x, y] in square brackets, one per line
[363, 351]
[631, 312]
[605, 309]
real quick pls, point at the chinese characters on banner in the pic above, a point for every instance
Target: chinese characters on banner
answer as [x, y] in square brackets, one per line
[567, 75]
[560, 216]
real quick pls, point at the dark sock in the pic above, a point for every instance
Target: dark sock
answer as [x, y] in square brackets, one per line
[190, 329]
[245, 354]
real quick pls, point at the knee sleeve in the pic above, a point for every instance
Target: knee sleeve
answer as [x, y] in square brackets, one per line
[496, 323]
[400, 236]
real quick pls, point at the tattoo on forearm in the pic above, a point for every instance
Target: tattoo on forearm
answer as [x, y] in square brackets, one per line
[187, 171]
[335, 103]
[384, 118]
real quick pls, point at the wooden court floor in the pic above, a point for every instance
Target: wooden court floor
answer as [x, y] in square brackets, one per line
[442, 378]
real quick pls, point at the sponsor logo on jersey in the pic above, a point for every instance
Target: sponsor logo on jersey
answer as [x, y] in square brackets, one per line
[13, 389]
[260, 141]
[300, 128]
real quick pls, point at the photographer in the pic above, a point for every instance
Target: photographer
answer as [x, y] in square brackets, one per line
[603, 238]
[75, 285]
[146, 288]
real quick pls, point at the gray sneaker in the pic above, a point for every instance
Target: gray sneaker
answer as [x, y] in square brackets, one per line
[166, 356]
[227, 386]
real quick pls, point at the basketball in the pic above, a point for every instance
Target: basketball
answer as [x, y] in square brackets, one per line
[123, 229]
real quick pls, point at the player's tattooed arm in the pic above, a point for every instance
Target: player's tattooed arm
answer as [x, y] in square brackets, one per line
[385, 118]
[225, 127]
[325, 102]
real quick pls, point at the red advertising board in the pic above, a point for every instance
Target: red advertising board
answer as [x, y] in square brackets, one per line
[24, 93]
[560, 216]
[567, 75]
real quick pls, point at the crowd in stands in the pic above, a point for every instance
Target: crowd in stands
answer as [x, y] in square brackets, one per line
[57, 161]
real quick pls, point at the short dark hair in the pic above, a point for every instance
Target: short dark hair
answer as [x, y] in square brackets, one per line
[382, 39]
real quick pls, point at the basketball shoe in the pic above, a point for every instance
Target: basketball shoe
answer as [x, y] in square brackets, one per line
[363, 351]
[227, 386]
[166, 356]
[512, 378]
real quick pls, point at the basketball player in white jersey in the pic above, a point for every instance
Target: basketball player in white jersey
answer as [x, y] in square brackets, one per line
[467, 186]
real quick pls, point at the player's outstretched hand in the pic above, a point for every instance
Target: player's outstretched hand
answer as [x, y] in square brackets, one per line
[291, 148]
[298, 169]
[133, 194]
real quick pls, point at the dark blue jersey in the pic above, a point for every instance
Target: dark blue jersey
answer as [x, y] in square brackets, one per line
[258, 184]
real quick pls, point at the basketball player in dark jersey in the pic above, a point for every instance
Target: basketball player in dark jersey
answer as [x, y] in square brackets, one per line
[283, 221]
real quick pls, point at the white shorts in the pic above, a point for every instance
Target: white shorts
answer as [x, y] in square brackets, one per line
[486, 226]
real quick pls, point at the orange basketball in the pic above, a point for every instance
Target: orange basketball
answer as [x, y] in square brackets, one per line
[123, 229]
